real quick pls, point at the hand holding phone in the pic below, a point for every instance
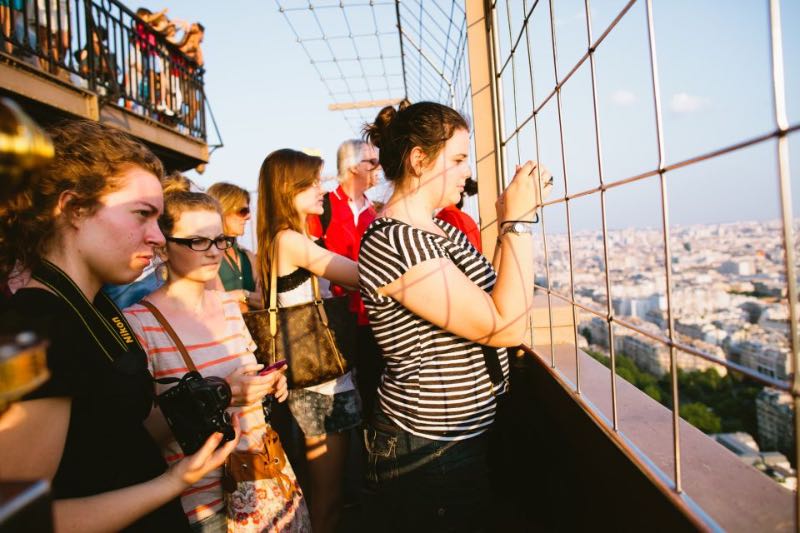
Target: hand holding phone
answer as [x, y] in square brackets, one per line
[273, 367]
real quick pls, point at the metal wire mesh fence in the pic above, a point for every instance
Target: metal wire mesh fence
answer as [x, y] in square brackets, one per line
[373, 53]
[640, 286]
[670, 234]
[383, 51]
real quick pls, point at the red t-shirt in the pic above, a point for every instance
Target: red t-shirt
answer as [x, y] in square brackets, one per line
[344, 238]
[456, 217]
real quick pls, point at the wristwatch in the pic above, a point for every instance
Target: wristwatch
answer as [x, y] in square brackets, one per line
[517, 228]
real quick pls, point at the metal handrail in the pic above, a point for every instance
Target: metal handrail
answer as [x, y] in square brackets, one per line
[103, 47]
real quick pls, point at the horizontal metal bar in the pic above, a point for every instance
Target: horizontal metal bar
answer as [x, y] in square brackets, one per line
[364, 104]
[680, 164]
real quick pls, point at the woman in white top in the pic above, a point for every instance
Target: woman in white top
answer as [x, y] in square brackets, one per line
[289, 190]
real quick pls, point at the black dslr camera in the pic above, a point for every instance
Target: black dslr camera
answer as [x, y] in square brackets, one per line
[195, 408]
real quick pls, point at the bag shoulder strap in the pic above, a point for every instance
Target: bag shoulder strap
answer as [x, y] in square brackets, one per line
[171, 332]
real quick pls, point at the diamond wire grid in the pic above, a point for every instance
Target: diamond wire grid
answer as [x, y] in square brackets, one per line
[516, 24]
[384, 50]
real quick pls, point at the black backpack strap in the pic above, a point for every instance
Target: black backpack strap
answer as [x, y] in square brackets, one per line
[325, 217]
[495, 371]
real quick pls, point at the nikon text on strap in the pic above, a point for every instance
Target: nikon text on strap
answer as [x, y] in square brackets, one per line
[102, 318]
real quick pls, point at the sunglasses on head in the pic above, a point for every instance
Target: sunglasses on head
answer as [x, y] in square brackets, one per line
[243, 212]
[203, 244]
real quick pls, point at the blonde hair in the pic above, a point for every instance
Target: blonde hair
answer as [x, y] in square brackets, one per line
[283, 174]
[229, 196]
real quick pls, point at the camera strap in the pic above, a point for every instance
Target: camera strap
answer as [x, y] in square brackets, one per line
[103, 320]
[187, 359]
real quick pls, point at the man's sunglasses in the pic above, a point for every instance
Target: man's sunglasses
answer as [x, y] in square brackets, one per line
[243, 212]
[373, 163]
[203, 244]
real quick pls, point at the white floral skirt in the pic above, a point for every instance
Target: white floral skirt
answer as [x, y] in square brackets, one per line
[272, 505]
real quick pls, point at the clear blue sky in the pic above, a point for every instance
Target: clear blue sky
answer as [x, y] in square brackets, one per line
[715, 87]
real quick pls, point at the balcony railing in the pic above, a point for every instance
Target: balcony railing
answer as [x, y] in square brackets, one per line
[102, 46]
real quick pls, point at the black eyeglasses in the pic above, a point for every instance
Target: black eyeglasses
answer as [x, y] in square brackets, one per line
[203, 244]
[243, 212]
[374, 163]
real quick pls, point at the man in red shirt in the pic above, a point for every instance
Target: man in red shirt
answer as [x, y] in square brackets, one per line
[347, 214]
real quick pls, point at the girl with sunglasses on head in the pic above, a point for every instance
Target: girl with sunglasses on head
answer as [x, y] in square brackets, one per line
[236, 273]
[89, 218]
[210, 326]
[288, 192]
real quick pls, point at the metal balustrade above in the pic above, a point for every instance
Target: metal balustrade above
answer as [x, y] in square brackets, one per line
[103, 47]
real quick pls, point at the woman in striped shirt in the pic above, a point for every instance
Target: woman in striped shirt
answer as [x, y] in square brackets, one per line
[210, 325]
[442, 316]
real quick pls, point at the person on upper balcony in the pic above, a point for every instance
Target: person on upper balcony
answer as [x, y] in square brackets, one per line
[443, 317]
[346, 214]
[454, 216]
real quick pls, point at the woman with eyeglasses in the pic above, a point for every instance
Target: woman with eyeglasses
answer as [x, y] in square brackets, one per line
[238, 273]
[289, 191]
[89, 218]
[210, 325]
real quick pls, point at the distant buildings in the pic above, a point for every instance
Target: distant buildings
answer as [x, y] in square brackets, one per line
[764, 358]
[775, 419]
[737, 267]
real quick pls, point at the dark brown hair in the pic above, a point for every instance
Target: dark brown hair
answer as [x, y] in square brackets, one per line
[89, 158]
[397, 131]
[283, 174]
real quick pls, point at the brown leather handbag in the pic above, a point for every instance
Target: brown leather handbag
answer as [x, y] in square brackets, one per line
[240, 465]
[266, 464]
[316, 338]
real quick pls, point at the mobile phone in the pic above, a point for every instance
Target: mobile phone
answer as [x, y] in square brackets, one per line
[274, 366]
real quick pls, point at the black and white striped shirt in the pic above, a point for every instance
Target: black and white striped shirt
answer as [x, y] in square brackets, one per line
[435, 384]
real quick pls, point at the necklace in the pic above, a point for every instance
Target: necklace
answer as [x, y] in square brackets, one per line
[234, 262]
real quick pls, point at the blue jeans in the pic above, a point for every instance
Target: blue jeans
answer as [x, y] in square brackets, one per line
[419, 484]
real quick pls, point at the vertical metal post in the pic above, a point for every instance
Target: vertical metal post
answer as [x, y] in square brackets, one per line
[673, 356]
[784, 179]
[92, 59]
[603, 222]
[566, 202]
[485, 118]
[542, 215]
[402, 54]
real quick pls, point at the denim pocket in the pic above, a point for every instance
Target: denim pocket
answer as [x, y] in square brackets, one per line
[381, 456]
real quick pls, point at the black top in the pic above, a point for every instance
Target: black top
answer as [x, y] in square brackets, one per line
[292, 281]
[107, 446]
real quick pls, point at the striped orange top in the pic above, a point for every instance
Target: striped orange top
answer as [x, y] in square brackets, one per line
[216, 357]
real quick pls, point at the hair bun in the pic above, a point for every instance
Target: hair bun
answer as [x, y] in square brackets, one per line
[376, 133]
